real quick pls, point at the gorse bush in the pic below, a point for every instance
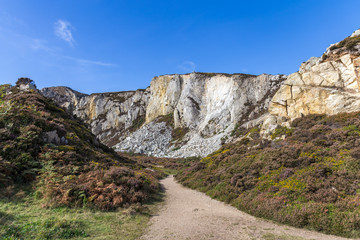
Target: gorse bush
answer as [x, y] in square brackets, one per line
[42, 145]
[311, 179]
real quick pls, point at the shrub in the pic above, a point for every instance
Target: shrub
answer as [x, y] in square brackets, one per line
[310, 179]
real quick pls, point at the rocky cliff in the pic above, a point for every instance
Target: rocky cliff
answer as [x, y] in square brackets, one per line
[193, 114]
[110, 116]
[184, 115]
[326, 85]
[204, 109]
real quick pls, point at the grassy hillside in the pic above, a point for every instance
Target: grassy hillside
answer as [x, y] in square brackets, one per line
[310, 180]
[48, 159]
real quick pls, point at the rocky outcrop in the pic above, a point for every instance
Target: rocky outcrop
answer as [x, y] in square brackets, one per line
[207, 105]
[202, 110]
[110, 116]
[326, 85]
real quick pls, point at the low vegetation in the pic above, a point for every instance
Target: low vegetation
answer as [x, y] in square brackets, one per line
[167, 119]
[177, 133]
[22, 216]
[168, 166]
[137, 123]
[65, 170]
[309, 180]
[348, 43]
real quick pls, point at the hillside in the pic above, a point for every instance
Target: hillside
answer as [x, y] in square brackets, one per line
[43, 146]
[310, 179]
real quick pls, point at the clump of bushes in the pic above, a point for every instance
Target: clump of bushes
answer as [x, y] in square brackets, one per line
[25, 81]
[309, 180]
[281, 131]
[348, 43]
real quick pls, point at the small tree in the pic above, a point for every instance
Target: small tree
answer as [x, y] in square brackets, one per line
[25, 81]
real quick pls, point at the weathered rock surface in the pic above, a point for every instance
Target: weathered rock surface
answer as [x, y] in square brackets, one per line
[327, 85]
[209, 105]
[111, 116]
[153, 139]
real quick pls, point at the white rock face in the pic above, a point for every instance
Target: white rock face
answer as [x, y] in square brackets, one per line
[356, 33]
[209, 105]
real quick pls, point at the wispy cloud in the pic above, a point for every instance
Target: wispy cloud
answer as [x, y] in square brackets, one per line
[188, 66]
[7, 19]
[62, 30]
[42, 45]
[38, 44]
[90, 62]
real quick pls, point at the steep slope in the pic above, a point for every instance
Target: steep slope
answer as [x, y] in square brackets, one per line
[41, 145]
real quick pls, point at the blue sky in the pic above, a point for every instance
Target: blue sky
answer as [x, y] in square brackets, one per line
[115, 45]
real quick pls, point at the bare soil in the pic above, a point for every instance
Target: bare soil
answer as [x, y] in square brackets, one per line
[188, 214]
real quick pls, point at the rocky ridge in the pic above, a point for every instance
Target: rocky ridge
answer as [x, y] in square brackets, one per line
[327, 85]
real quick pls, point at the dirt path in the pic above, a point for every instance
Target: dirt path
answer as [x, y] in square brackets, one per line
[188, 214]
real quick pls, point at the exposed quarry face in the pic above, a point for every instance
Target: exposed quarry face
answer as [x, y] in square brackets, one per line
[193, 114]
[205, 106]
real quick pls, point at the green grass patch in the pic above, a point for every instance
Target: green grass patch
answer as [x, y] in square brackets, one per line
[25, 218]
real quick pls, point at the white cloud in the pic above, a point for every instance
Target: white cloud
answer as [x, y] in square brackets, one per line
[188, 66]
[63, 31]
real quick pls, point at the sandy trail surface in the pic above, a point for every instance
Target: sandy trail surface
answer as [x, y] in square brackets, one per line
[191, 215]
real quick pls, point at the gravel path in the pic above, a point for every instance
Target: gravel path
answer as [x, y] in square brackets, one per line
[188, 214]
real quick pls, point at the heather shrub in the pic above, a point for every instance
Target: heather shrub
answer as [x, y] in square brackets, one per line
[72, 168]
[311, 179]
